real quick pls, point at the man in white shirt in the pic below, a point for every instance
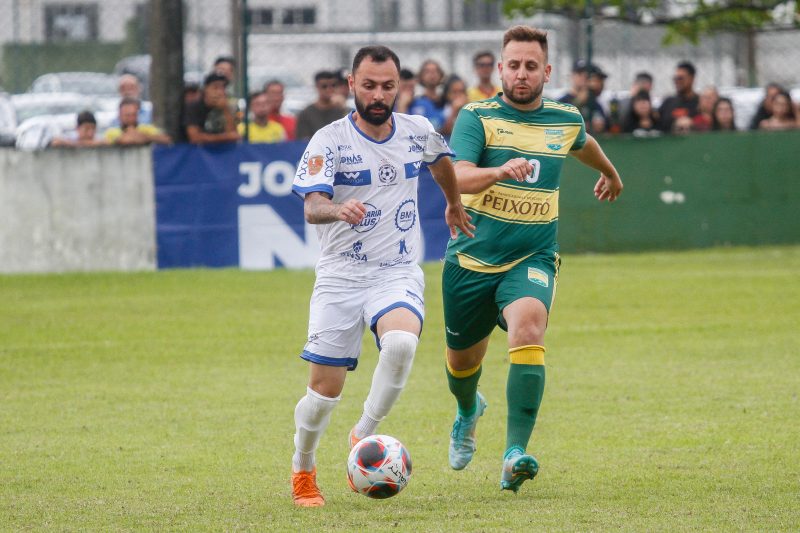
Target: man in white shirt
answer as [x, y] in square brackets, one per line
[358, 178]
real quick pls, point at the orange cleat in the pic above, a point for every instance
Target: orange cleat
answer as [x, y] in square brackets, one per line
[353, 439]
[305, 491]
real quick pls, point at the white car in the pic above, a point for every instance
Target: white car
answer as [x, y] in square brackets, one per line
[8, 121]
[88, 83]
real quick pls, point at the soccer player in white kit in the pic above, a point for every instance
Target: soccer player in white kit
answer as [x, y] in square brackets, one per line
[358, 179]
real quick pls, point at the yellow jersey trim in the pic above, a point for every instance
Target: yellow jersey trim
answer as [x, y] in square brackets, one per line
[476, 265]
[528, 138]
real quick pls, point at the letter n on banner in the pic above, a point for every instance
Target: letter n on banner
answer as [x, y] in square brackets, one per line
[267, 241]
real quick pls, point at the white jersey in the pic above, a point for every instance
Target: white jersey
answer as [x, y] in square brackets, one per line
[343, 162]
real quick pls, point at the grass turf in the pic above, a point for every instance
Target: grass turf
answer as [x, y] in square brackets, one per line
[164, 401]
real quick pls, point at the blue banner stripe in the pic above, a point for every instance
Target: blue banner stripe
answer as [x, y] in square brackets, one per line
[353, 178]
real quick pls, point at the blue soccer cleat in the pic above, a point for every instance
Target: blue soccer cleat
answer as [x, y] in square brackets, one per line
[517, 468]
[462, 438]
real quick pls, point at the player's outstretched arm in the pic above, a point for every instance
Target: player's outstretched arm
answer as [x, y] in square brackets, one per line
[454, 214]
[609, 186]
[319, 209]
[473, 179]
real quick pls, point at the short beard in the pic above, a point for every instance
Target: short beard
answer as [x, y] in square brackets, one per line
[363, 112]
[535, 93]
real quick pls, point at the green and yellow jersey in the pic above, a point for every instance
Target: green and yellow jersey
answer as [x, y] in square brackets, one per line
[514, 220]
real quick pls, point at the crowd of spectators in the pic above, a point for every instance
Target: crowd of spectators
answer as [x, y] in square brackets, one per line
[213, 115]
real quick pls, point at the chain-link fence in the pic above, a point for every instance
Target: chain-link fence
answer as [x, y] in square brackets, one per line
[42, 41]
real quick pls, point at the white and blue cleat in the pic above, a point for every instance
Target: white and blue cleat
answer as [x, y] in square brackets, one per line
[517, 468]
[462, 438]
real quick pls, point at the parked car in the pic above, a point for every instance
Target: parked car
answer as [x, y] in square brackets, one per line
[38, 132]
[88, 83]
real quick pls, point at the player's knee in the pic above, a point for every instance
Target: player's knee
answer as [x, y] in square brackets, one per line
[526, 334]
[398, 347]
[314, 407]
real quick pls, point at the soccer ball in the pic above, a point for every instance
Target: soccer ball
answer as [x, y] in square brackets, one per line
[378, 467]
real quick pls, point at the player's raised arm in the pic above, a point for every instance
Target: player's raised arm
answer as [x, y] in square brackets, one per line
[609, 185]
[319, 209]
[454, 214]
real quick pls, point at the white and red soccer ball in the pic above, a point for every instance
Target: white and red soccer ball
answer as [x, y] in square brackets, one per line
[378, 467]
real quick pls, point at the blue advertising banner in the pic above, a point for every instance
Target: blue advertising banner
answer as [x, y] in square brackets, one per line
[231, 205]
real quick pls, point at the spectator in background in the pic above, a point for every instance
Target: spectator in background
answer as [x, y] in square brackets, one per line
[683, 103]
[429, 103]
[275, 94]
[641, 120]
[129, 87]
[643, 81]
[191, 93]
[84, 135]
[130, 132]
[588, 82]
[261, 129]
[454, 97]
[342, 91]
[211, 119]
[578, 84]
[703, 120]
[322, 112]
[226, 65]
[722, 117]
[765, 108]
[783, 114]
[405, 92]
[484, 63]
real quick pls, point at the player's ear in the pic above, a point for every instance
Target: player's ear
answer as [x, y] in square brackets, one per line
[547, 70]
[351, 82]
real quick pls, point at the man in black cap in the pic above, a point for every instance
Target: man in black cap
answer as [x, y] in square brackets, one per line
[587, 83]
[210, 119]
[578, 80]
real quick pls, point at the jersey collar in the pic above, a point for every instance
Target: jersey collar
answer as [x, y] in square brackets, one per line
[367, 137]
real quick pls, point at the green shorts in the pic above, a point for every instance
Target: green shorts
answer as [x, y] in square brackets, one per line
[474, 301]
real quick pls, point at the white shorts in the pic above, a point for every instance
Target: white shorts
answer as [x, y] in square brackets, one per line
[341, 309]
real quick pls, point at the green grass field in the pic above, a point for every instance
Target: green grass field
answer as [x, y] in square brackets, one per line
[164, 401]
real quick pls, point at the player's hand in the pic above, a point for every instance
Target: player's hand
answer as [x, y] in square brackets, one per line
[351, 211]
[608, 188]
[457, 217]
[517, 169]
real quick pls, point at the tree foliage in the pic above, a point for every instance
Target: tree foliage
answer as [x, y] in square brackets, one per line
[684, 19]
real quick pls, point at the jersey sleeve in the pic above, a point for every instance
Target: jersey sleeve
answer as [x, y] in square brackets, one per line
[317, 167]
[436, 146]
[468, 139]
[580, 140]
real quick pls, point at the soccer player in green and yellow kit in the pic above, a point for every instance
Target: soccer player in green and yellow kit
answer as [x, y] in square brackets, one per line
[509, 153]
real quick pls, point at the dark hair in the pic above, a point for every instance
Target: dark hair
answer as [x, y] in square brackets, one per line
[406, 74]
[715, 125]
[451, 80]
[324, 75]
[225, 59]
[378, 53]
[129, 100]
[431, 62]
[644, 76]
[784, 92]
[688, 67]
[632, 119]
[525, 34]
[86, 117]
[255, 94]
[482, 53]
[272, 82]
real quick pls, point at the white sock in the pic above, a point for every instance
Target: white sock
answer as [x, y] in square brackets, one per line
[311, 418]
[391, 374]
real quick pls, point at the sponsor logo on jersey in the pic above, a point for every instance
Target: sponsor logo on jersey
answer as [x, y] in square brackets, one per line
[503, 131]
[369, 221]
[387, 173]
[343, 147]
[315, 163]
[354, 159]
[418, 138]
[451, 332]
[554, 139]
[303, 170]
[415, 148]
[412, 169]
[538, 277]
[353, 178]
[517, 204]
[355, 255]
[406, 215]
[403, 257]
